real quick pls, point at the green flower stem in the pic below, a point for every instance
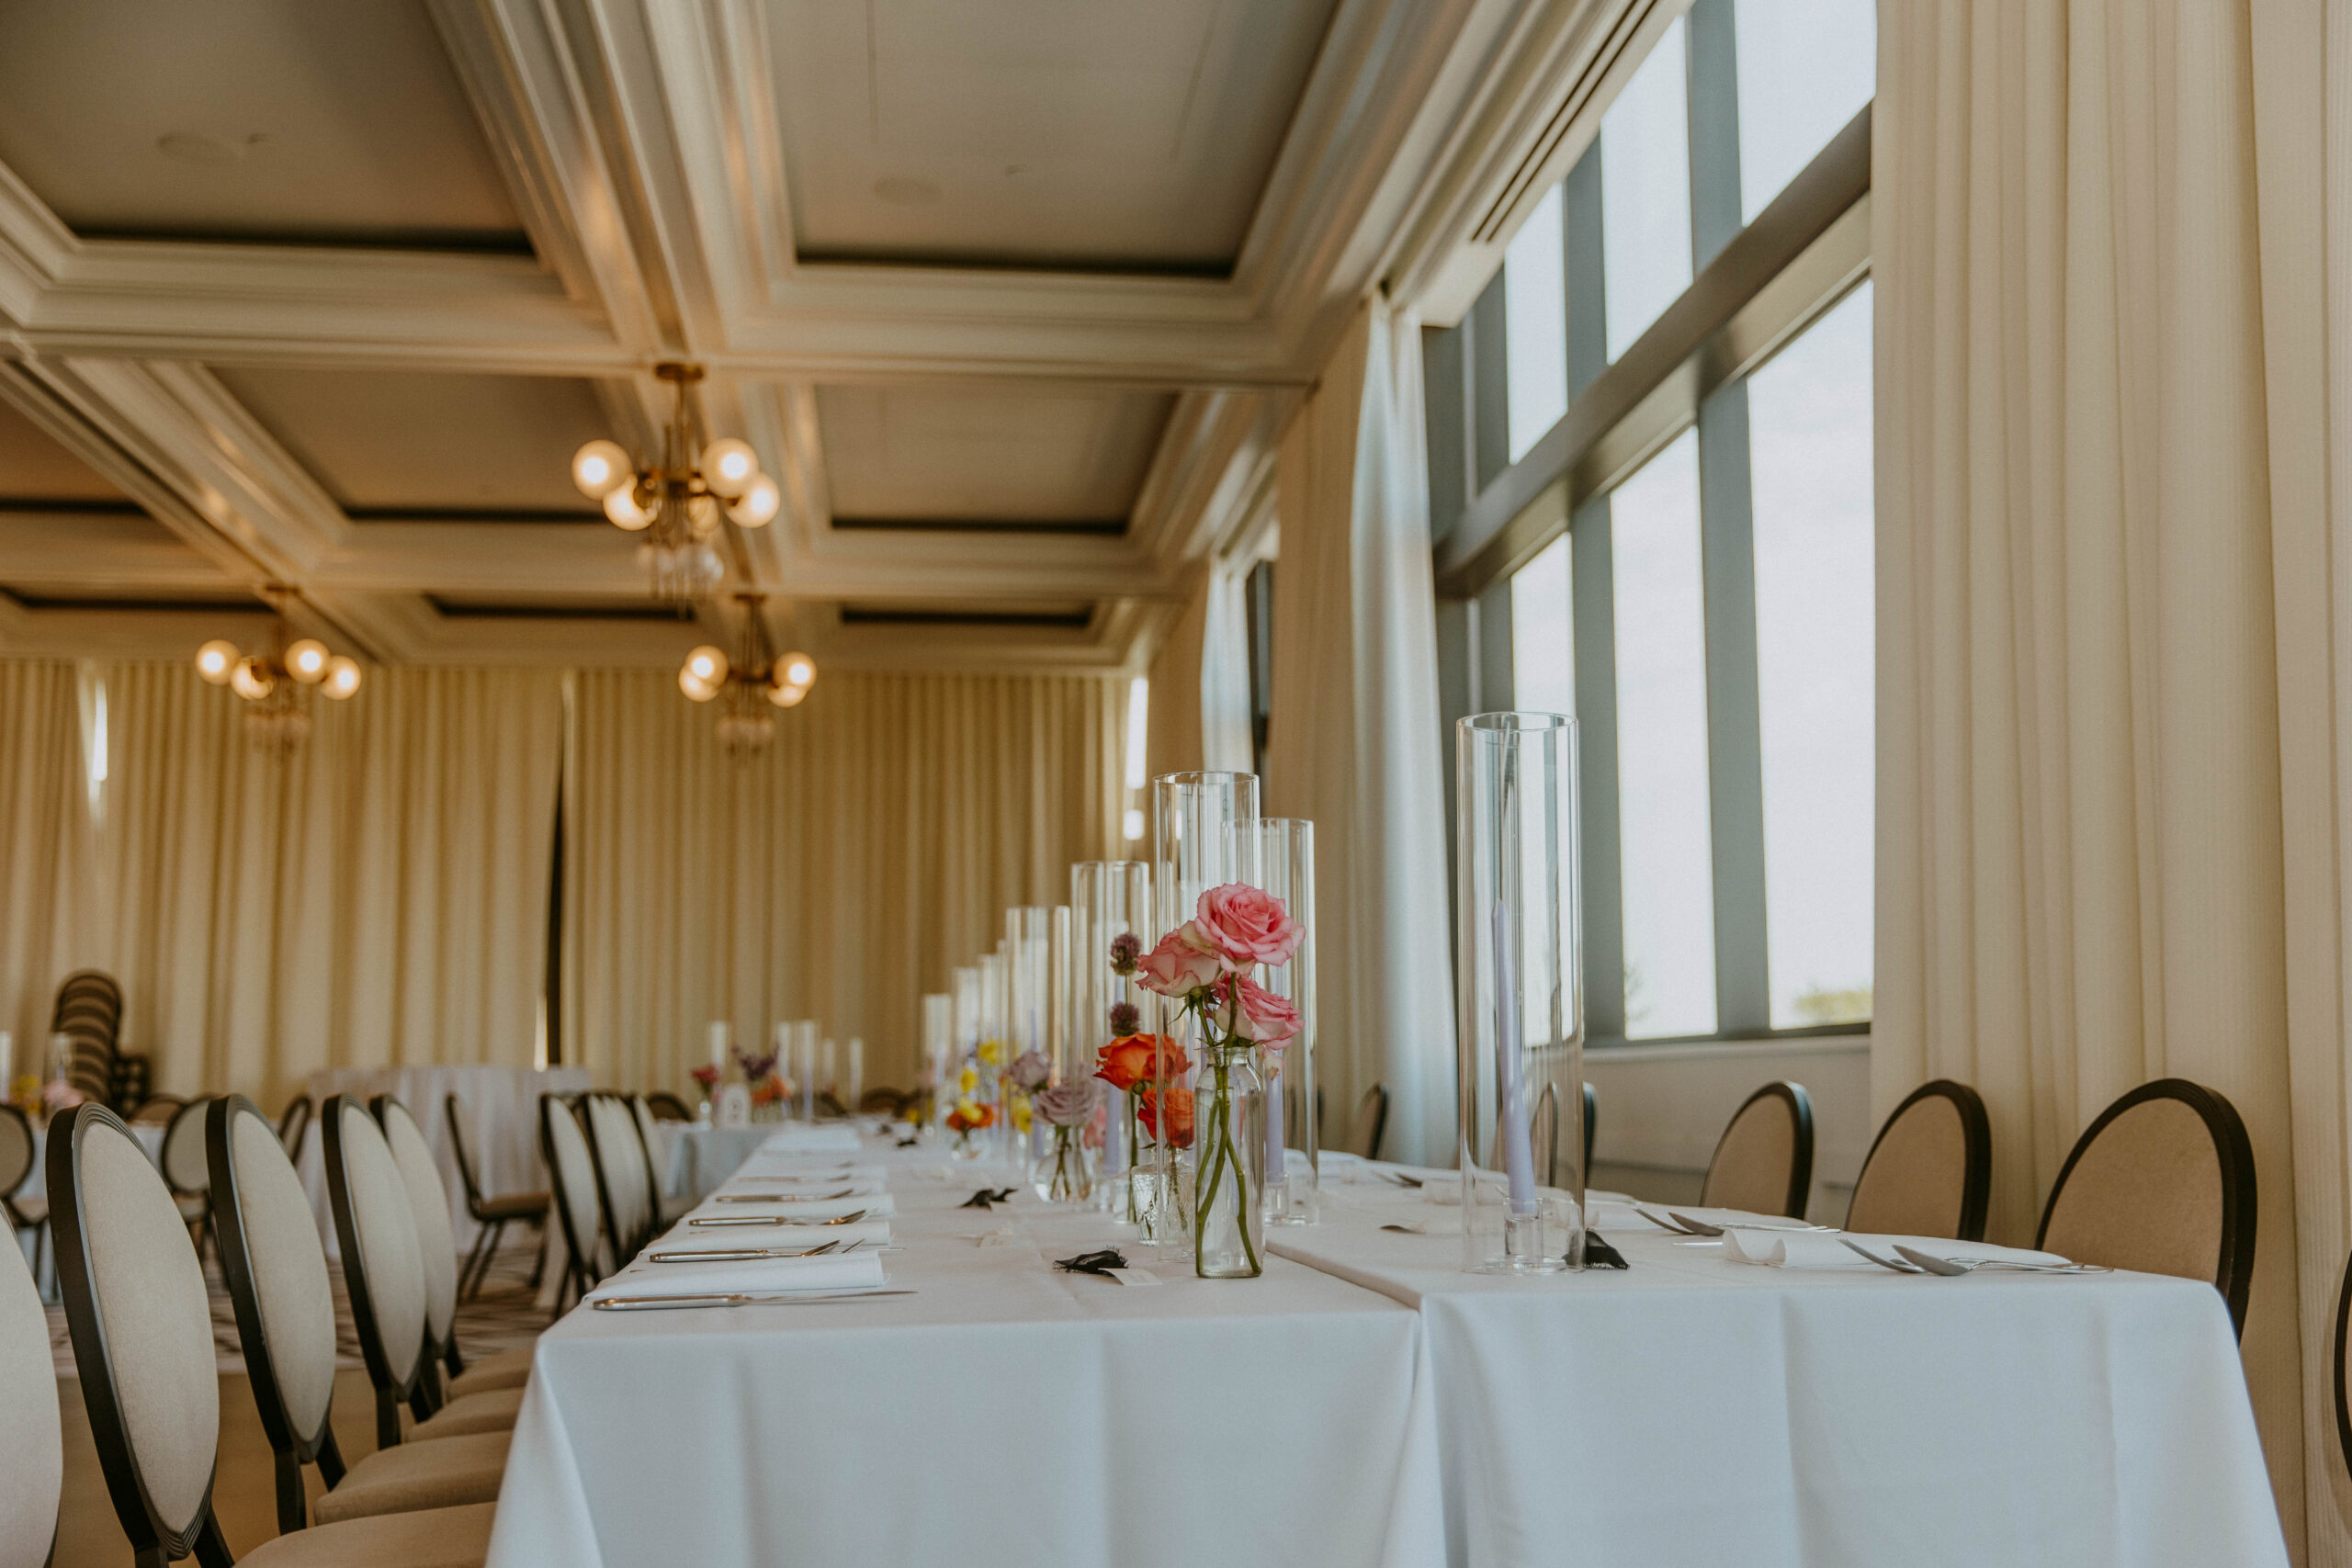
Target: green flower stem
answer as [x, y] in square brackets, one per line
[1221, 1154]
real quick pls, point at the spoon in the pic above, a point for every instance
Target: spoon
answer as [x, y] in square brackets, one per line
[1952, 1267]
[1882, 1262]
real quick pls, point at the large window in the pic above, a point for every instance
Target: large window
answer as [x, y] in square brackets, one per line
[1692, 579]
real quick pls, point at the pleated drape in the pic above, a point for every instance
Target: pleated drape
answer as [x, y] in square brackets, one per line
[1354, 711]
[43, 803]
[837, 875]
[2112, 285]
[379, 896]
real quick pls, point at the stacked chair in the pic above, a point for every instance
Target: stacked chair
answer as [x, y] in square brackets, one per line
[142, 1339]
[88, 1012]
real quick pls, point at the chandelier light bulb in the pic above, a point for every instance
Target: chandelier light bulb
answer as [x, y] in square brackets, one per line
[621, 506]
[757, 505]
[799, 669]
[707, 663]
[787, 696]
[307, 661]
[601, 467]
[215, 659]
[729, 467]
[342, 677]
[694, 685]
[251, 679]
[702, 516]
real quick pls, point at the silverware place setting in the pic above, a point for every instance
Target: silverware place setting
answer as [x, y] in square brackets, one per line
[743, 1254]
[737, 1299]
[774, 1220]
[784, 1197]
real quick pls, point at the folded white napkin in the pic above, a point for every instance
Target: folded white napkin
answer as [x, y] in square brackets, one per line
[875, 1207]
[765, 1276]
[839, 1136]
[1825, 1250]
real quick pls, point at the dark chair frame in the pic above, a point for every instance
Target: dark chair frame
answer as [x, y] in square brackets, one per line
[293, 1450]
[2233, 1270]
[1977, 1162]
[9, 1185]
[580, 1266]
[1799, 1106]
[417, 1392]
[444, 1351]
[1379, 1122]
[667, 1107]
[2342, 1367]
[1591, 1120]
[294, 1125]
[489, 1229]
[153, 1542]
[160, 1097]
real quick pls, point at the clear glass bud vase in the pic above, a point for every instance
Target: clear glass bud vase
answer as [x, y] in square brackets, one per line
[1229, 1165]
[1065, 1172]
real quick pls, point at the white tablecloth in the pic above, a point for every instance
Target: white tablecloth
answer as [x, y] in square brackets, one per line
[1006, 1415]
[1694, 1410]
[699, 1157]
[503, 1105]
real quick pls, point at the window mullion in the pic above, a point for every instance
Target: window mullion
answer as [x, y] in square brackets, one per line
[1735, 743]
[1715, 133]
[1594, 621]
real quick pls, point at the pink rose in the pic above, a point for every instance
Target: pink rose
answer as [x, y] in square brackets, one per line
[1183, 963]
[1247, 925]
[1248, 1011]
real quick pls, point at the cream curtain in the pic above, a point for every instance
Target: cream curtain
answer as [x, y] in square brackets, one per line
[1354, 708]
[379, 896]
[43, 802]
[1174, 737]
[1200, 681]
[2112, 600]
[837, 875]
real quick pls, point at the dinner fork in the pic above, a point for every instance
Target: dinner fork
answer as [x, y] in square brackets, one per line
[1950, 1268]
[741, 1255]
[773, 1220]
[735, 1299]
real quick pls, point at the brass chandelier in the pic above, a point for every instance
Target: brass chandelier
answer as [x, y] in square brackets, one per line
[751, 682]
[678, 502]
[276, 681]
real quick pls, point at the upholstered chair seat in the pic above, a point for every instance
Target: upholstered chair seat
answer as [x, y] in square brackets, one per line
[516, 1206]
[448, 1473]
[31, 1210]
[508, 1368]
[492, 1410]
[433, 1538]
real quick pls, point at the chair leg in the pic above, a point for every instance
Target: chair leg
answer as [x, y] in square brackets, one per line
[477, 1260]
[211, 1546]
[291, 1501]
[539, 1262]
[450, 1358]
[388, 1419]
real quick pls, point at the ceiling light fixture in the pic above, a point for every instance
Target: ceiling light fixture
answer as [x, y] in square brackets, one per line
[677, 503]
[276, 681]
[740, 684]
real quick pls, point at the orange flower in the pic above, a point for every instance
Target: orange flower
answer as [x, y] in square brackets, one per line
[1180, 1115]
[1127, 1061]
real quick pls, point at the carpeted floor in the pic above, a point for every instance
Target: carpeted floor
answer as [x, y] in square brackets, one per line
[502, 1317]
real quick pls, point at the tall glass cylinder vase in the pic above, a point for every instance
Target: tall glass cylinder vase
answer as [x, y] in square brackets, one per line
[938, 1055]
[1110, 899]
[1519, 984]
[1028, 945]
[1196, 845]
[1279, 853]
[996, 1048]
[960, 1091]
[805, 1066]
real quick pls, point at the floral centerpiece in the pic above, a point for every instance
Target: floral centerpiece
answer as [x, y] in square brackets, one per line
[771, 1091]
[1128, 1064]
[970, 1114]
[1203, 966]
[1065, 1173]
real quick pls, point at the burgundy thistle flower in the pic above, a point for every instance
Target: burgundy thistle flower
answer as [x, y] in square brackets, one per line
[1127, 951]
[1071, 1104]
[1126, 1019]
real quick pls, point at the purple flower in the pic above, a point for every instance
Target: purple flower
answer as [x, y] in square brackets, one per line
[1126, 1019]
[1070, 1104]
[1127, 951]
[755, 1068]
[1030, 1069]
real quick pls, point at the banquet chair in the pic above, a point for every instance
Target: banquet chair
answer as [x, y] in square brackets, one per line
[276, 1271]
[1545, 1129]
[1591, 1120]
[1763, 1162]
[88, 1012]
[624, 1184]
[429, 1207]
[383, 1273]
[2162, 1182]
[32, 1441]
[141, 1329]
[2344, 1370]
[183, 1163]
[157, 1111]
[667, 1107]
[16, 1151]
[1371, 1121]
[293, 1123]
[490, 1215]
[667, 1211]
[571, 1172]
[1929, 1171]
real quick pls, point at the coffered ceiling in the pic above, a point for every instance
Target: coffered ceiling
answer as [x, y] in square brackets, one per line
[1012, 296]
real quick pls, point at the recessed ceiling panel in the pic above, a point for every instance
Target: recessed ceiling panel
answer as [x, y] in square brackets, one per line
[896, 454]
[34, 466]
[1113, 133]
[247, 120]
[414, 444]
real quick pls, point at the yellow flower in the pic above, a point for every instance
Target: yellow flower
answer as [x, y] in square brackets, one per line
[995, 1052]
[967, 1080]
[1020, 1114]
[969, 1106]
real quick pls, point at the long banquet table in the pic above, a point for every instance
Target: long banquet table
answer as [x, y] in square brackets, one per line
[1366, 1403]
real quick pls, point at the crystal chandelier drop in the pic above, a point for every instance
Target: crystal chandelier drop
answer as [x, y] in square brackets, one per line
[677, 503]
[748, 684]
[275, 683]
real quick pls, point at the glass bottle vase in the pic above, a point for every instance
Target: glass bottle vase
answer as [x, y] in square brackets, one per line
[1229, 1165]
[1065, 1172]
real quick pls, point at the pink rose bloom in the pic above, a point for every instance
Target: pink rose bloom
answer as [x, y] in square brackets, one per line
[1247, 925]
[1183, 963]
[1249, 1012]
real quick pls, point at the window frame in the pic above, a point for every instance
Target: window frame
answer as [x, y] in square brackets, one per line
[1755, 287]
